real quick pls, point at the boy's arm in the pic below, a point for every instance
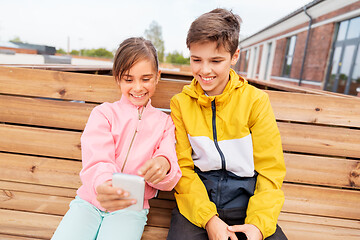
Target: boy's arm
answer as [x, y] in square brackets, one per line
[166, 149]
[190, 193]
[264, 207]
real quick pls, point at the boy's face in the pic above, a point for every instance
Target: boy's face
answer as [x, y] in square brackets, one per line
[211, 66]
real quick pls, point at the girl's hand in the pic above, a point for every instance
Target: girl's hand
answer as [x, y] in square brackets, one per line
[250, 230]
[111, 198]
[155, 169]
[217, 229]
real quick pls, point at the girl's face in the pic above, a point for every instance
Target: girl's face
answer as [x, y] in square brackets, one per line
[139, 83]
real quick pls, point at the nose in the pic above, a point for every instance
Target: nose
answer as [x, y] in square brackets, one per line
[137, 86]
[205, 68]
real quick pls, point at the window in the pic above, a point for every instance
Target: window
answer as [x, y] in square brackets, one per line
[267, 66]
[246, 60]
[289, 55]
[254, 63]
[344, 69]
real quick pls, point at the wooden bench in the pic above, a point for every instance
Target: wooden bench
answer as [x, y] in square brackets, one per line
[40, 156]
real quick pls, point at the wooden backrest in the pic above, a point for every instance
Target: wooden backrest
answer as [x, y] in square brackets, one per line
[41, 127]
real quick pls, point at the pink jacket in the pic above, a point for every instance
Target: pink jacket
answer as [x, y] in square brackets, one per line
[115, 130]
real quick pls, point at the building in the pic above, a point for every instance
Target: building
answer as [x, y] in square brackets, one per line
[25, 53]
[316, 46]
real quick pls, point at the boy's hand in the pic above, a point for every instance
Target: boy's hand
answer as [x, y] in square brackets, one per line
[155, 169]
[217, 229]
[111, 198]
[251, 231]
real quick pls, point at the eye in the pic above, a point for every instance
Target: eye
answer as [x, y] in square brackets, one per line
[196, 60]
[146, 79]
[216, 61]
[128, 80]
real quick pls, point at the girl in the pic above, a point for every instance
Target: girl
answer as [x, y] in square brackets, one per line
[128, 136]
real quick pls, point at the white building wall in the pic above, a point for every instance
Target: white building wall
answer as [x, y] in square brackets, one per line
[20, 58]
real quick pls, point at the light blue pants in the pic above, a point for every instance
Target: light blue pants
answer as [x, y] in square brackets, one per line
[84, 221]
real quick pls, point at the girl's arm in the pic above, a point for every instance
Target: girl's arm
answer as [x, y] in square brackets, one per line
[98, 150]
[164, 165]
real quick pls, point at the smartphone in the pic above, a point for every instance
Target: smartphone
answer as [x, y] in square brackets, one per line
[134, 185]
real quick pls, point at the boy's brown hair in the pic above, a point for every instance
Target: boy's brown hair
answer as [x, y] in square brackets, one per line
[131, 51]
[220, 26]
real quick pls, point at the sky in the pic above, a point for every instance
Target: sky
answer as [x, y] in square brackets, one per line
[104, 24]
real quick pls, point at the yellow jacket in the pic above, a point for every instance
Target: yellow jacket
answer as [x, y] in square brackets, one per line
[249, 142]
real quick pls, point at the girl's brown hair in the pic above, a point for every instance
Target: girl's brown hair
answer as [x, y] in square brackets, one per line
[131, 51]
[220, 26]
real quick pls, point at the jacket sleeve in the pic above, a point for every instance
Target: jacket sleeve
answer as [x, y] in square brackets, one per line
[166, 149]
[265, 205]
[98, 151]
[190, 193]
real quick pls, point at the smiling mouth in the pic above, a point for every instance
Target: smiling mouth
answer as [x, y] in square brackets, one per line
[207, 79]
[138, 96]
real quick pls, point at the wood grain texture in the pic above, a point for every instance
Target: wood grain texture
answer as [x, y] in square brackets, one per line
[40, 154]
[315, 109]
[296, 227]
[43, 112]
[321, 140]
[318, 201]
[40, 141]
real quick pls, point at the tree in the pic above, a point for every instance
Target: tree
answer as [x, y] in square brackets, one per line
[177, 58]
[16, 40]
[154, 34]
[99, 52]
[74, 52]
[61, 51]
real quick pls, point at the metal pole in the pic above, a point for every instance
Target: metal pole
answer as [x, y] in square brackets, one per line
[306, 45]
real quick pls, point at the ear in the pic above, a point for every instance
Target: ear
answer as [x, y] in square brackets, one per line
[117, 80]
[235, 57]
[158, 76]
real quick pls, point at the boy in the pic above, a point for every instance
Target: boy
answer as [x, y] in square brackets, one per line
[228, 143]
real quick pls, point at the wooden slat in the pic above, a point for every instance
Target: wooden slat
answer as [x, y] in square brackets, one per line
[38, 203]
[296, 227]
[165, 90]
[287, 107]
[40, 170]
[317, 109]
[321, 201]
[61, 85]
[335, 172]
[28, 224]
[37, 189]
[310, 200]
[295, 138]
[75, 86]
[39, 141]
[325, 171]
[331, 141]
[42, 112]
[12, 237]
[154, 233]
[300, 227]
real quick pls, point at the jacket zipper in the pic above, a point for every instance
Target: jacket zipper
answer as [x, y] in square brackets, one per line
[133, 137]
[223, 163]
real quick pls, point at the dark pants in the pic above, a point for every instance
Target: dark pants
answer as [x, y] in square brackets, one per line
[183, 229]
